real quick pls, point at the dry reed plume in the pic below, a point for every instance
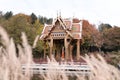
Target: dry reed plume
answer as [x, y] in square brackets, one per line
[11, 64]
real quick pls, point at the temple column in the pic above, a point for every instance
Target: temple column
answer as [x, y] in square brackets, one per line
[51, 47]
[66, 48]
[78, 49]
[71, 48]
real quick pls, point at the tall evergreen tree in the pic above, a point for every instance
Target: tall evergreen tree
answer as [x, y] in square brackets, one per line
[102, 27]
[7, 15]
[1, 14]
[33, 18]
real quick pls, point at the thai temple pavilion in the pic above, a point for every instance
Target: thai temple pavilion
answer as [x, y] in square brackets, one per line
[59, 38]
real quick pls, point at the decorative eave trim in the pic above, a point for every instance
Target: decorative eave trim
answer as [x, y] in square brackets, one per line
[45, 25]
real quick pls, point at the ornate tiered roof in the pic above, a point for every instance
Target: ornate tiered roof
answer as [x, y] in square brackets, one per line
[73, 27]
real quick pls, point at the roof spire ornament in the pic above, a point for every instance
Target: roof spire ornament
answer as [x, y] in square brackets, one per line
[73, 15]
[60, 13]
[57, 14]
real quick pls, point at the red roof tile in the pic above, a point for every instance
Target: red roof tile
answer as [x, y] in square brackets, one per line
[75, 20]
[68, 24]
[47, 29]
[75, 27]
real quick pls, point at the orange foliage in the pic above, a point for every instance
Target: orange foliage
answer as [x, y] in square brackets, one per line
[112, 38]
[91, 34]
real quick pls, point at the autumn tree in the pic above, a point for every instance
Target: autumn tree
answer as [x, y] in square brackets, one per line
[111, 39]
[90, 37]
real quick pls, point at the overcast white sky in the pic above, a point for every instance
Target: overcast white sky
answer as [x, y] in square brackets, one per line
[96, 11]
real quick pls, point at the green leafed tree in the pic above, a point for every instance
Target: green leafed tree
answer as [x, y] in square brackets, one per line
[38, 50]
[17, 24]
[22, 23]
